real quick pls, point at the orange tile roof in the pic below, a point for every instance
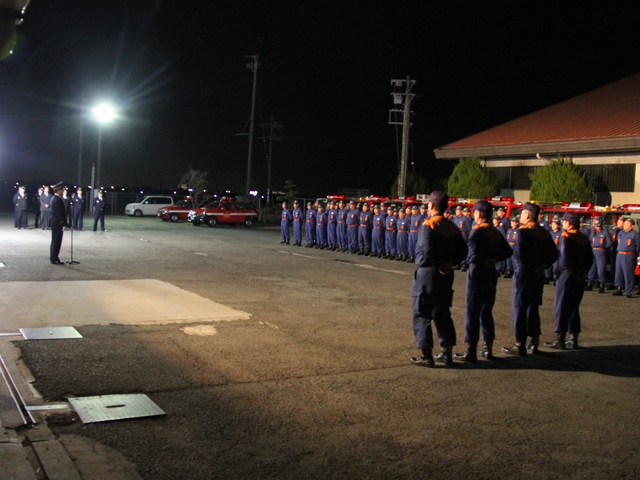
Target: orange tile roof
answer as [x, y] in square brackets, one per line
[607, 113]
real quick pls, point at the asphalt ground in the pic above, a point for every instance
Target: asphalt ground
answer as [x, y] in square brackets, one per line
[316, 383]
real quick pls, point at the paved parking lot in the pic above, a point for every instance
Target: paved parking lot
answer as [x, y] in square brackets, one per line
[314, 382]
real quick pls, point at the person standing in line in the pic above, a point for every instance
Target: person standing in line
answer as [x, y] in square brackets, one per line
[332, 226]
[353, 222]
[556, 232]
[341, 229]
[45, 209]
[533, 253]
[576, 258]
[36, 205]
[440, 246]
[377, 232]
[464, 225]
[414, 228]
[364, 231]
[298, 218]
[285, 219]
[487, 246]
[58, 223]
[321, 227]
[402, 236]
[614, 250]
[98, 212]
[310, 225]
[512, 233]
[77, 203]
[20, 206]
[628, 246]
[600, 244]
[390, 234]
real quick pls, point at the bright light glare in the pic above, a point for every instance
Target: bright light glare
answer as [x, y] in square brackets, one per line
[104, 113]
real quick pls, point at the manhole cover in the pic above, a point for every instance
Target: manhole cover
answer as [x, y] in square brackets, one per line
[49, 333]
[105, 408]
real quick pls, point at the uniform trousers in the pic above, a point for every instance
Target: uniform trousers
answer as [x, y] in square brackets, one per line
[432, 295]
[364, 238]
[310, 231]
[401, 243]
[481, 297]
[597, 270]
[526, 298]
[331, 233]
[352, 233]
[284, 229]
[625, 271]
[411, 244]
[77, 219]
[56, 243]
[297, 231]
[341, 232]
[390, 242]
[377, 240]
[569, 293]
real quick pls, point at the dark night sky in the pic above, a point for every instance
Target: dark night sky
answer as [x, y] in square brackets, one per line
[176, 70]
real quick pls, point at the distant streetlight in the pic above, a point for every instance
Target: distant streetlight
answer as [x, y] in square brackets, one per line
[103, 114]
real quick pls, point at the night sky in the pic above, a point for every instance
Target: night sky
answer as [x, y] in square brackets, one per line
[177, 72]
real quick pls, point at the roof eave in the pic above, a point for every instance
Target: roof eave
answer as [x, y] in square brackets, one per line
[601, 145]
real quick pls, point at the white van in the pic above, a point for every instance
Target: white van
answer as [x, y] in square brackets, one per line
[148, 205]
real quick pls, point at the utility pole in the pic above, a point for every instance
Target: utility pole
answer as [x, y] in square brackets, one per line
[253, 66]
[272, 125]
[404, 98]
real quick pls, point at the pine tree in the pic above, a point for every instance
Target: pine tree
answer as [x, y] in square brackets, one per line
[560, 180]
[470, 179]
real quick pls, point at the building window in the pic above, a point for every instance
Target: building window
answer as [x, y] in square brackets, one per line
[602, 178]
[611, 178]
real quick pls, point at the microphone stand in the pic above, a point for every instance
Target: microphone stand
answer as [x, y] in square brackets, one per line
[72, 261]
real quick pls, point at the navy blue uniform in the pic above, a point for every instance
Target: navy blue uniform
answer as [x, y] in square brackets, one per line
[341, 228]
[353, 222]
[98, 213]
[377, 234]
[391, 226]
[600, 244]
[628, 246]
[58, 222]
[332, 228]
[77, 201]
[364, 232]
[533, 253]
[575, 259]
[20, 205]
[285, 220]
[487, 246]
[440, 246]
[402, 237]
[321, 229]
[45, 210]
[297, 218]
[310, 227]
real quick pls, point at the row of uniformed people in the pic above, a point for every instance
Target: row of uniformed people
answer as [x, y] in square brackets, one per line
[42, 201]
[386, 232]
[621, 244]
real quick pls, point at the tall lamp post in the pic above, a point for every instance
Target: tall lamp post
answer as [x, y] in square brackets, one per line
[102, 113]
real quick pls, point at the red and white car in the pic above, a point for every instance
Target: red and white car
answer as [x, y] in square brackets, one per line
[227, 212]
[176, 212]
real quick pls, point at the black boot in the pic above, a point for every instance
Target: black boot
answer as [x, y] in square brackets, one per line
[471, 355]
[618, 292]
[601, 289]
[534, 344]
[426, 360]
[559, 344]
[589, 286]
[573, 341]
[487, 350]
[446, 356]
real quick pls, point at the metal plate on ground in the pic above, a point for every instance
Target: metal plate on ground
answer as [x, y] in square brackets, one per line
[105, 408]
[49, 333]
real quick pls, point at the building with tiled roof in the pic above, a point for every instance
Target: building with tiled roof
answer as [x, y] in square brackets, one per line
[599, 130]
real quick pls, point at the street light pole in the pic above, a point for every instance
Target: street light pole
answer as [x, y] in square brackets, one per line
[254, 68]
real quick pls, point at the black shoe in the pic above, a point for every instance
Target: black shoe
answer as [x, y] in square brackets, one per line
[519, 349]
[508, 275]
[533, 345]
[487, 352]
[446, 356]
[283, 241]
[556, 345]
[618, 292]
[57, 262]
[468, 356]
[601, 289]
[423, 361]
